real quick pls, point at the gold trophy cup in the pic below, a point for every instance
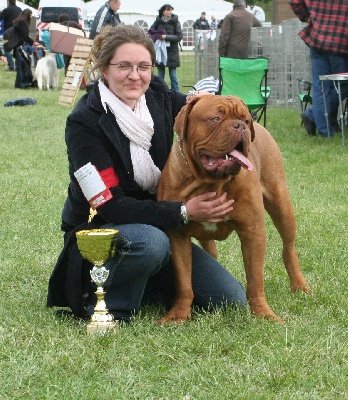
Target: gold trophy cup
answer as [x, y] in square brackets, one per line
[97, 246]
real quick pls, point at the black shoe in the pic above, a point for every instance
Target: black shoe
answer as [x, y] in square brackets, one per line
[308, 124]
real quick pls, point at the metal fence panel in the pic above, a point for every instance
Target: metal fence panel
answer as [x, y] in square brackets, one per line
[288, 55]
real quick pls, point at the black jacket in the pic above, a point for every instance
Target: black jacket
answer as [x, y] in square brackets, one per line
[201, 24]
[105, 16]
[8, 14]
[22, 29]
[174, 35]
[94, 136]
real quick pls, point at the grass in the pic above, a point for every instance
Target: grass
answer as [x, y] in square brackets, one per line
[214, 356]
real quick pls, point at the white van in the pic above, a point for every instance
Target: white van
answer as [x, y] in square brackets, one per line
[49, 11]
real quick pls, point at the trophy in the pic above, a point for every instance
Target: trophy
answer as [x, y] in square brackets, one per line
[97, 246]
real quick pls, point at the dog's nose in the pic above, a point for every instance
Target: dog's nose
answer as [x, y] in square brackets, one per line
[239, 125]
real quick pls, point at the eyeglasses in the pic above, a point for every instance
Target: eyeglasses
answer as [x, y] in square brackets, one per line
[126, 69]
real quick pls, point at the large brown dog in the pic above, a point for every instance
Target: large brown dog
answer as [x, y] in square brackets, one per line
[220, 149]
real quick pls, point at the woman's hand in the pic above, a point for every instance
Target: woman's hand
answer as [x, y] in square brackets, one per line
[3, 60]
[203, 209]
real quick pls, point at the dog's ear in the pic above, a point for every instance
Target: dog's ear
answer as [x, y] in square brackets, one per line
[180, 123]
[252, 130]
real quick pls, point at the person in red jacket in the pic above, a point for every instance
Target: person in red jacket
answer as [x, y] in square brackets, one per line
[326, 35]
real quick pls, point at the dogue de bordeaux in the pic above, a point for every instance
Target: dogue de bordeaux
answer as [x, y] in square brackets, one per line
[220, 149]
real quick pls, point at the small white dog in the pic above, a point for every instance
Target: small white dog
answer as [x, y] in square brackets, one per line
[46, 72]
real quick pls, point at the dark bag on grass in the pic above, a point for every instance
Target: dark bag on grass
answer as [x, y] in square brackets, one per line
[25, 101]
[11, 39]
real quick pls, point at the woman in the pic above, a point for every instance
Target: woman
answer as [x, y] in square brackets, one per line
[24, 76]
[169, 22]
[22, 23]
[124, 128]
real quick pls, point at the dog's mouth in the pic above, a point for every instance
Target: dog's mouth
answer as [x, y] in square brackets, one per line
[229, 163]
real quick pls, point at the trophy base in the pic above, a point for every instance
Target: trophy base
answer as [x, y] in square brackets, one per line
[101, 327]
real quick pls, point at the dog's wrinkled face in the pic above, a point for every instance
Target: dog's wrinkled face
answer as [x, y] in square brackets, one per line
[216, 132]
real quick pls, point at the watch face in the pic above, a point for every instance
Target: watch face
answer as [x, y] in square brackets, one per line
[184, 215]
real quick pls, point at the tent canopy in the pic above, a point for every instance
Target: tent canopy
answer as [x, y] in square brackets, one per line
[133, 10]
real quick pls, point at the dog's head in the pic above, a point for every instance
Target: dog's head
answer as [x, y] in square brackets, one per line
[216, 132]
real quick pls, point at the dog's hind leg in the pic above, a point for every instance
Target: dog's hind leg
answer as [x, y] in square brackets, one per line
[55, 79]
[46, 79]
[279, 207]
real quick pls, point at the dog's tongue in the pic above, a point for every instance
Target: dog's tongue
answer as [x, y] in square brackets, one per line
[242, 160]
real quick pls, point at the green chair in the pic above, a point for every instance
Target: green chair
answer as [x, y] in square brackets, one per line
[304, 94]
[247, 79]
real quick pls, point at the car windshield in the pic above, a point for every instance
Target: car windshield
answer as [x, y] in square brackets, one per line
[51, 14]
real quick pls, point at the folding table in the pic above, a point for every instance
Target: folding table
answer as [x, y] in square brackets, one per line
[336, 79]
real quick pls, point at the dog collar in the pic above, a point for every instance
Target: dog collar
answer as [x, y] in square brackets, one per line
[182, 152]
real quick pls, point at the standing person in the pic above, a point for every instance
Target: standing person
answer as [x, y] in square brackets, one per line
[169, 22]
[9, 14]
[235, 33]
[106, 15]
[257, 11]
[326, 35]
[24, 76]
[64, 19]
[123, 129]
[201, 22]
[214, 22]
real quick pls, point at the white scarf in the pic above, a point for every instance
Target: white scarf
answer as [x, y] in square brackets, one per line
[137, 126]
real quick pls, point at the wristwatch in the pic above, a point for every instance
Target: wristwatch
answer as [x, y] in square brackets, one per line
[183, 214]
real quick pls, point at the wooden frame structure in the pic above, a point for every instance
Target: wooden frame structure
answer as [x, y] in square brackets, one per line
[79, 63]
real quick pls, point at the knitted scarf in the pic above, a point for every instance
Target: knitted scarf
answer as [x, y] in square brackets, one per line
[137, 126]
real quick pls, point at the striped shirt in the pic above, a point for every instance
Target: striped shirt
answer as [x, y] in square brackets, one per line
[327, 28]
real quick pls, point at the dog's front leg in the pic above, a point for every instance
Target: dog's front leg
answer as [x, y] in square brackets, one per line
[254, 250]
[181, 256]
[210, 247]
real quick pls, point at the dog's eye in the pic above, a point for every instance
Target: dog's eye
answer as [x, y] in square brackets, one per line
[215, 119]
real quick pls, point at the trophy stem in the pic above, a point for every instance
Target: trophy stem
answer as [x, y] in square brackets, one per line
[101, 320]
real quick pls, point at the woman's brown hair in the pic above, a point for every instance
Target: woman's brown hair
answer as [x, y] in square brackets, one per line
[110, 38]
[25, 15]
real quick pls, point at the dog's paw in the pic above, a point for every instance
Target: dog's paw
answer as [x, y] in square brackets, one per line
[175, 317]
[298, 288]
[265, 312]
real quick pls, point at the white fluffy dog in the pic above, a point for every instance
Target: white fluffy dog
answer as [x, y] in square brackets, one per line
[46, 72]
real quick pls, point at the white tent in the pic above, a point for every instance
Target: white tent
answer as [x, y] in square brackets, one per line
[134, 11]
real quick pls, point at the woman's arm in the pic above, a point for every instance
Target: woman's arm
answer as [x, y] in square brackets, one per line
[87, 143]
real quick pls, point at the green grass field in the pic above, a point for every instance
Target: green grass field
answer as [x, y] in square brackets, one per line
[219, 356]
